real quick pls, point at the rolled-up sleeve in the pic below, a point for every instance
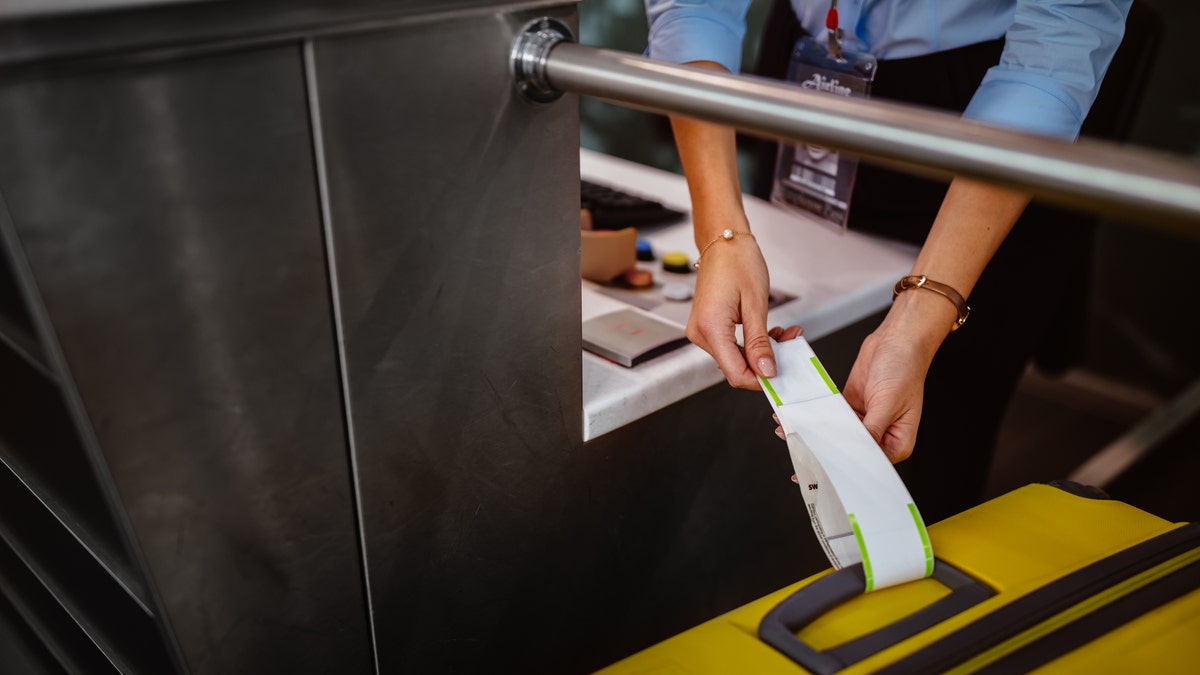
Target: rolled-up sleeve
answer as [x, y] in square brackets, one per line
[682, 31]
[1055, 55]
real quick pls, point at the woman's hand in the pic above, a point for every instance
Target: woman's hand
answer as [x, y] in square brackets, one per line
[886, 386]
[887, 382]
[733, 284]
[731, 289]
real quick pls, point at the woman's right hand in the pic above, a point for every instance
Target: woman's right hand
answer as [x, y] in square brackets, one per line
[733, 285]
[731, 289]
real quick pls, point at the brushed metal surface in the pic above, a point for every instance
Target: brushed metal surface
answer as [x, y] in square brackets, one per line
[170, 217]
[456, 237]
[55, 35]
[170, 206]
[495, 539]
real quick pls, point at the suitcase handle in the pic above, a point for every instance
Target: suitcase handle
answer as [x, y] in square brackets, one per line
[780, 625]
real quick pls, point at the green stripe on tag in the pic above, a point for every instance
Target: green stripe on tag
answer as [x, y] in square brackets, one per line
[824, 375]
[912, 508]
[770, 390]
[862, 548]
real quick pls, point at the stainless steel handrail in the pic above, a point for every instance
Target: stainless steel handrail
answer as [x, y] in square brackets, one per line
[1101, 177]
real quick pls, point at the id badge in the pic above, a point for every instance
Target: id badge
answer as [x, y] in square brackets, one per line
[813, 178]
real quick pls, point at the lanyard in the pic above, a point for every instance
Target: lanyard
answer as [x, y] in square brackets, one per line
[835, 32]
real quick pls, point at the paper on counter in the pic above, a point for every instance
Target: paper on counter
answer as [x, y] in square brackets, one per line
[860, 509]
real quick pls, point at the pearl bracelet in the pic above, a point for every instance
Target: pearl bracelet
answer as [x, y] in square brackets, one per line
[725, 235]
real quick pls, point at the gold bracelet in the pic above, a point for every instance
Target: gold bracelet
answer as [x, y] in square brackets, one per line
[912, 281]
[725, 235]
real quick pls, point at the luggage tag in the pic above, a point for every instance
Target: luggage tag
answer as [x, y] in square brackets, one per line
[860, 510]
[809, 177]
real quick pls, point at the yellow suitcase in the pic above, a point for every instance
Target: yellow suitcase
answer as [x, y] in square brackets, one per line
[1056, 578]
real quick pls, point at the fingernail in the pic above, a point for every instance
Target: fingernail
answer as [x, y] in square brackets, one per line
[779, 433]
[766, 366]
[776, 418]
[795, 479]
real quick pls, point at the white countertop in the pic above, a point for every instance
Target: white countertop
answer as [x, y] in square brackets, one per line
[838, 277]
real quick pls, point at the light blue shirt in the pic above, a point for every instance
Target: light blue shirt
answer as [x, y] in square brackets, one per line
[1055, 51]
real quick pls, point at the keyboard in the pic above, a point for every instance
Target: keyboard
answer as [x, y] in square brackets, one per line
[615, 209]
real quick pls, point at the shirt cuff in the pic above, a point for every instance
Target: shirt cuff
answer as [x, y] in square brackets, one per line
[1025, 102]
[685, 37]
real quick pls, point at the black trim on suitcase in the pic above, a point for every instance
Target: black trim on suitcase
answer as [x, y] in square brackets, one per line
[779, 626]
[1034, 608]
[1079, 489]
[1099, 623]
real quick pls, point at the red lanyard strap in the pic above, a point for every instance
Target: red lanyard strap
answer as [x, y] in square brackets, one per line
[835, 33]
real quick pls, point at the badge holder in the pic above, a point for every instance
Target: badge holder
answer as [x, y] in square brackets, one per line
[813, 178]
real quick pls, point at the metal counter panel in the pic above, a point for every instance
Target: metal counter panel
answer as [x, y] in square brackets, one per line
[170, 216]
[171, 206]
[455, 226]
